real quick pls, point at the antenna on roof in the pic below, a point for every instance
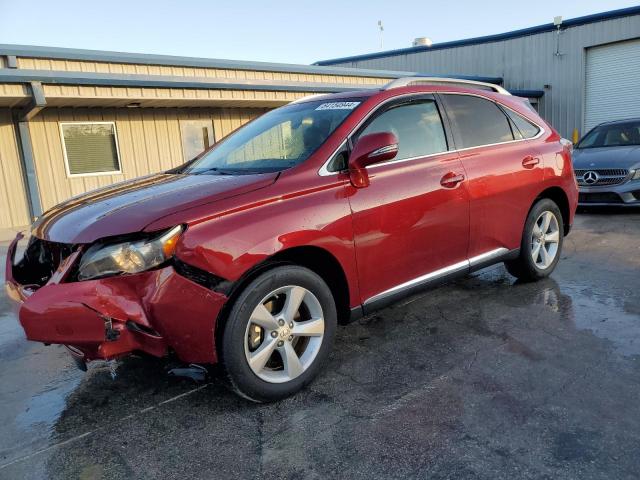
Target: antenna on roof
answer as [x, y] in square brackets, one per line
[381, 27]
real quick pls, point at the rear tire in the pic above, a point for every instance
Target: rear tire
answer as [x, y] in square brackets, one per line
[541, 243]
[279, 333]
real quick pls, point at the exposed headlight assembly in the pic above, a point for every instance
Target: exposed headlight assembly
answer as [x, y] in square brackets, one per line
[103, 260]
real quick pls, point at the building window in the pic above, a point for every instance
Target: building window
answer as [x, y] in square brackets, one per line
[90, 148]
[197, 136]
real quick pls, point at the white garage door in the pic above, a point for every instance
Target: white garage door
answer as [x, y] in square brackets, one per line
[612, 90]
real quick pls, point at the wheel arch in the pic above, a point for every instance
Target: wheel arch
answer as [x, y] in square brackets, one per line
[316, 259]
[560, 198]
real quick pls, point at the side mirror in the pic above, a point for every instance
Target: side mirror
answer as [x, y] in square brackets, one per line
[370, 149]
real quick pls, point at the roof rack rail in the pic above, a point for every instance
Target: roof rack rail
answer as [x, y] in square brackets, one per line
[406, 81]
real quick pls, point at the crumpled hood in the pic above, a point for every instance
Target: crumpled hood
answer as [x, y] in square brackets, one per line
[606, 157]
[130, 206]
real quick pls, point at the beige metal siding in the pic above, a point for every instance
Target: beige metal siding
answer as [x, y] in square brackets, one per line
[12, 94]
[13, 200]
[89, 96]
[148, 140]
[190, 72]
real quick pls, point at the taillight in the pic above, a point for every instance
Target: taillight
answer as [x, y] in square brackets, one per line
[568, 144]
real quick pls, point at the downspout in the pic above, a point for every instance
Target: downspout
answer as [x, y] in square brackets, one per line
[23, 137]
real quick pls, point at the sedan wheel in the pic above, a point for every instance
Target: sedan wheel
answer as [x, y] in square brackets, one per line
[284, 334]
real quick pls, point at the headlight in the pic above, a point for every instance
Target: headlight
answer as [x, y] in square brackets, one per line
[636, 176]
[102, 260]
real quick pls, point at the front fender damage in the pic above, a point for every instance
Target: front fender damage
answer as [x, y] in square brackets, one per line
[153, 312]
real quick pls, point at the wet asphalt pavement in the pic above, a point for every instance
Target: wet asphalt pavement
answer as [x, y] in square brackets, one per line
[482, 378]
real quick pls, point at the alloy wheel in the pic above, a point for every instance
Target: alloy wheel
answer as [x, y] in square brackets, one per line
[545, 239]
[284, 334]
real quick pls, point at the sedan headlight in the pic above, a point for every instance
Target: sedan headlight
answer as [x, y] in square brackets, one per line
[103, 260]
[636, 176]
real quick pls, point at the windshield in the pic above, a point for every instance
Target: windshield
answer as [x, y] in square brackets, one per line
[615, 135]
[275, 141]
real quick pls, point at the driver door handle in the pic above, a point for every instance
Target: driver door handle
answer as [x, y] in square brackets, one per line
[451, 180]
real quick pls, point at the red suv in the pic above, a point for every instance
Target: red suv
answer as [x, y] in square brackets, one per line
[311, 215]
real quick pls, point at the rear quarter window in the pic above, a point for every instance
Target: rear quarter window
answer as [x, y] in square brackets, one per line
[523, 127]
[477, 121]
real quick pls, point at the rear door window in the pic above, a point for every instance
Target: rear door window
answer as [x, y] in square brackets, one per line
[416, 124]
[477, 121]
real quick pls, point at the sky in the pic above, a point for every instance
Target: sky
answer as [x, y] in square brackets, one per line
[274, 31]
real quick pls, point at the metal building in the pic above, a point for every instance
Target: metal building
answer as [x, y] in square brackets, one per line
[75, 120]
[584, 70]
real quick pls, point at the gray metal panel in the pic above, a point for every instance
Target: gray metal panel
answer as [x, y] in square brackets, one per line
[547, 27]
[28, 165]
[612, 85]
[525, 63]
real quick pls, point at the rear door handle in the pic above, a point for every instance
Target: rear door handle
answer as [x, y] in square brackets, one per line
[530, 162]
[451, 180]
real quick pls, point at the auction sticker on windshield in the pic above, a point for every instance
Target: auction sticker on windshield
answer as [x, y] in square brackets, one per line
[338, 106]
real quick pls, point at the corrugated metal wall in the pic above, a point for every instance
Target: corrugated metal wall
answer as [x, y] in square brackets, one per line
[189, 72]
[13, 200]
[525, 63]
[149, 141]
[99, 96]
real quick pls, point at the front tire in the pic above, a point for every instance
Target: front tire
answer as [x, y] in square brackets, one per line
[278, 334]
[541, 244]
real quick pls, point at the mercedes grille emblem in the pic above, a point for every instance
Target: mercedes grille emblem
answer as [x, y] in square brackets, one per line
[590, 177]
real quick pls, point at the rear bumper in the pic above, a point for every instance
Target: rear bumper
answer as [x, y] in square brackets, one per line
[152, 312]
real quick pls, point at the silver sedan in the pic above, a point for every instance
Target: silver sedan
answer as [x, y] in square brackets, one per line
[607, 164]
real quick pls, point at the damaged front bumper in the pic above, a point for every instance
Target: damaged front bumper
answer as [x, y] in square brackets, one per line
[153, 312]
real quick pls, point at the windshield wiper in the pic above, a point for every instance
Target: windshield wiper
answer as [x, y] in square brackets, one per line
[219, 171]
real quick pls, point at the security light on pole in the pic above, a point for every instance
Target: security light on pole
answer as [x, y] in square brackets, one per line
[557, 21]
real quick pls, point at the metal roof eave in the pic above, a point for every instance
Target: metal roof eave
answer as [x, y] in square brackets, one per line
[526, 93]
[34, 51]
[163, 81]
[11, 75]
[31, 51]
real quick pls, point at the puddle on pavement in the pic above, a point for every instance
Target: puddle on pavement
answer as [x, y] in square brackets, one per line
[607, 318]
[611, 317]
[44, 408]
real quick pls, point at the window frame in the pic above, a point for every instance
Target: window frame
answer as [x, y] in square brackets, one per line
[500, 107]
[513, 123]
[448, 127]
[90, 174]
[379, 109]
[423, 98]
